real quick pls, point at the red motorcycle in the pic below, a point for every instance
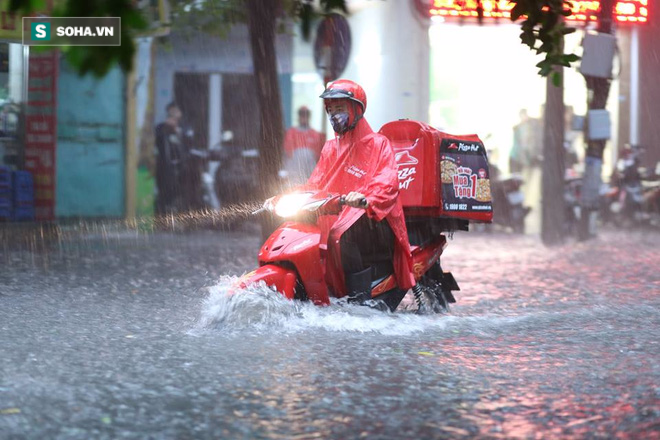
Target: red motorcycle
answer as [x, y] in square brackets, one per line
[444, 184]
[292, 259]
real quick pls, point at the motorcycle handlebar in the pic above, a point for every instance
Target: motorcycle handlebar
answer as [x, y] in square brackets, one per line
[362, 203]
[342, 201]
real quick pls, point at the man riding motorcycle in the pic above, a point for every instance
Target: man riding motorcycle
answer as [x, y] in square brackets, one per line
[361, 164]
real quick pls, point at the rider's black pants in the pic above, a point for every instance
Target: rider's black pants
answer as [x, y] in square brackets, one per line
[366, 243]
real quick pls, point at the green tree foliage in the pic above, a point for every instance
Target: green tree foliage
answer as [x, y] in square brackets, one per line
[215, 17]
[212, 17]
[97, 60]
[543, 30]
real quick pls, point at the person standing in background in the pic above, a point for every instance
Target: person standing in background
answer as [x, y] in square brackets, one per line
[525, 159]
[527, 144]
[170, 162]
[302, 148]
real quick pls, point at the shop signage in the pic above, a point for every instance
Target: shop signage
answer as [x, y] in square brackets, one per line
[625, 11]
[40, 134]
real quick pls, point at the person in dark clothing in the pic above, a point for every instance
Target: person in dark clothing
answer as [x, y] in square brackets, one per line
[171, 157]
[362, 246]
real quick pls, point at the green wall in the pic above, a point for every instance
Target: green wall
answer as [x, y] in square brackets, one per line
[90, 145]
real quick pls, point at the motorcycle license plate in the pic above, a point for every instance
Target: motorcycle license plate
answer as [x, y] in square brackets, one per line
[516, 198]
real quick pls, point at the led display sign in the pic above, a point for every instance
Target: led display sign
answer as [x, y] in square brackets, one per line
[625, 11]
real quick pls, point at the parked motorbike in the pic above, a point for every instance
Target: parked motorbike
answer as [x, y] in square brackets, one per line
[225, 173]
[233, 178]
[572, 191]
[634, 196]
[509, 210]
[206, 163]
[292, 258]
[651, 189]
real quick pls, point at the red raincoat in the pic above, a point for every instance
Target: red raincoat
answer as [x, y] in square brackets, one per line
[363, 161]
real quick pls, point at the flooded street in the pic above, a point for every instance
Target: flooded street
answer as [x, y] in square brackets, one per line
[145, 143]
[133, 337]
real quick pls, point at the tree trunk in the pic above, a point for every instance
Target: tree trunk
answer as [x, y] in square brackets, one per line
[262, 16]
[553, 205]
[599, 90]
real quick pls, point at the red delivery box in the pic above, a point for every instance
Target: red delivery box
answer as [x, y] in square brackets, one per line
[440, 174]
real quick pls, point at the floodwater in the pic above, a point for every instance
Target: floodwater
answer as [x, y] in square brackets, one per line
[133, 336]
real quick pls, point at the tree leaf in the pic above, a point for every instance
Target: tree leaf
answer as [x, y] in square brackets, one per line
[546, 68]
[556, 79]
[306, 13]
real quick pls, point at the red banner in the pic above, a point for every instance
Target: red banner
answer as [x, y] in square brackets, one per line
[625, 11]
[40, 131]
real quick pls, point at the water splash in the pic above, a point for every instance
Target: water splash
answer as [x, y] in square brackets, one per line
[262, 309]
[203, 218]
[36, 236]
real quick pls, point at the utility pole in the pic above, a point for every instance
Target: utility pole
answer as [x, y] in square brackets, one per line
[598, 92]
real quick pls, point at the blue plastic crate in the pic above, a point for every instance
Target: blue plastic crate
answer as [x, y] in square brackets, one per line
[23, 188]
[5, 202]
[5, 214]
[23, 179]
[23, 213]
[5, 177]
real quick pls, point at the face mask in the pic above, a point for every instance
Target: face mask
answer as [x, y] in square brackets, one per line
[339, 122]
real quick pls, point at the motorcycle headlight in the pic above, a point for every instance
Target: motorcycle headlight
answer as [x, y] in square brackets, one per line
[289, 204]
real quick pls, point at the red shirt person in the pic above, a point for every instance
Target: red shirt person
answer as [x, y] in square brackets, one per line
[302, 148]
[303, 136]
[360, 164]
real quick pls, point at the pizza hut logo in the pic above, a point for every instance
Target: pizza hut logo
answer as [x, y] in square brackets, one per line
[452, 146]
[468, 147]
[404, 158]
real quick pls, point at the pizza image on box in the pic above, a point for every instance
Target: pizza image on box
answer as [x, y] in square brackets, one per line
[448, 169]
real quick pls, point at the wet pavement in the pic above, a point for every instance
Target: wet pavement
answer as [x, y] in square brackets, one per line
[132, 336]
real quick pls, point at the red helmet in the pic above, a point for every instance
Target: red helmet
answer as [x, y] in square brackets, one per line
[346, 89]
